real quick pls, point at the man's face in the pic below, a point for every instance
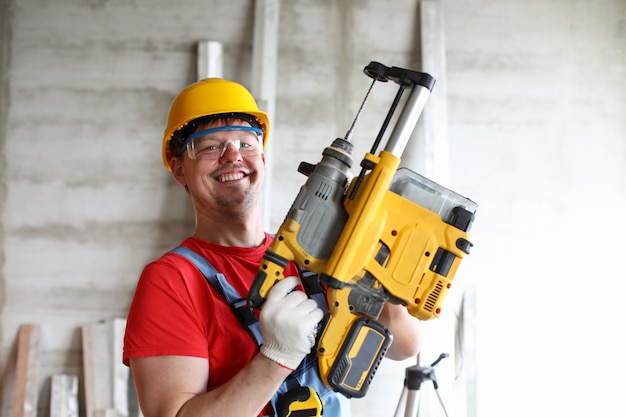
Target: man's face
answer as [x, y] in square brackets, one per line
[227, 186]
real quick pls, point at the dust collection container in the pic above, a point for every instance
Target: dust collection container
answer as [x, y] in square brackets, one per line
[429, 194]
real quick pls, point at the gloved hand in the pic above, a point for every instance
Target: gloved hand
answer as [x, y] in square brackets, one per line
[288, 320]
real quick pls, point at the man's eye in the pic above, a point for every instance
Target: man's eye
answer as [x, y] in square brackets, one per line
[209, 148]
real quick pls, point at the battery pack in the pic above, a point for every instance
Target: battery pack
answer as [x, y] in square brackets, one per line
[359, 357]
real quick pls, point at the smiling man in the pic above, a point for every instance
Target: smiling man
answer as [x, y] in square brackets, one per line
[192, 351]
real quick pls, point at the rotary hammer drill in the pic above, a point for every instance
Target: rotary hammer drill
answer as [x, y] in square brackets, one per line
[386, 235]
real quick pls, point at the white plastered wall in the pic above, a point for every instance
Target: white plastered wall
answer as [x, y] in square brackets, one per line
[535, 94]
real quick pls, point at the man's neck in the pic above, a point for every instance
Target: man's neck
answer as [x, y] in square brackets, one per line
[249, 233]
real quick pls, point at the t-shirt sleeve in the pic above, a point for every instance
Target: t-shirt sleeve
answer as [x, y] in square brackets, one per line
[163, 318]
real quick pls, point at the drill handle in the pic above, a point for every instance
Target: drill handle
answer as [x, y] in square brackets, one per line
[270, 272]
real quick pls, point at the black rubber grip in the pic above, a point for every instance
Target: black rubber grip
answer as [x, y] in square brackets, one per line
[255, 300]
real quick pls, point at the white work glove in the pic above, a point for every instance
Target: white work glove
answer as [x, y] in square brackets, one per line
[288, 321]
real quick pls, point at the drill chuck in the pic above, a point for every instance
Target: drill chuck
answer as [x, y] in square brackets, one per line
[318, 209]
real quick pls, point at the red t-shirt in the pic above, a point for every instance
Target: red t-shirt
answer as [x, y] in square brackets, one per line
[175, 311]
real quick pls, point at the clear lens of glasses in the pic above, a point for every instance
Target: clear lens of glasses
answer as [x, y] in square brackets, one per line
[213, 143]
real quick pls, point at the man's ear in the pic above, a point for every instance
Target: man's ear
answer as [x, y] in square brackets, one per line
[177, 171]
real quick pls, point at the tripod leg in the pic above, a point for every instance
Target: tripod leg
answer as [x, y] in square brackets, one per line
[412, 402]
[400, 402]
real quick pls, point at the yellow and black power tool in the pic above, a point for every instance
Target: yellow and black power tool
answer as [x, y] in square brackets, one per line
[386, 235]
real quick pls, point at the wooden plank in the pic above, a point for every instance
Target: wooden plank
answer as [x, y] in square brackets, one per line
[431, 158]
[64, 396]
[8, 383]
[468, 327]
[106, 378]
[88, 370]
[97, 372]
[210, 60]
[26, 371]
[120, 372]
[427, 151]
[263, 83]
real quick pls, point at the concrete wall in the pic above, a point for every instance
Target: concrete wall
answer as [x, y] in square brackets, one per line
[538, 138]
[536, 99]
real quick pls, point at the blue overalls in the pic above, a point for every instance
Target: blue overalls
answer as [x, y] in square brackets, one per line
[307, 374]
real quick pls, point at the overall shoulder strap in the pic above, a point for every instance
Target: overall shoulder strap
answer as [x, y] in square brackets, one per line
[313, 287]
[237, 303]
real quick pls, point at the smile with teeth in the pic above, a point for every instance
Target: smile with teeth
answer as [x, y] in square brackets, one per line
[231, 177]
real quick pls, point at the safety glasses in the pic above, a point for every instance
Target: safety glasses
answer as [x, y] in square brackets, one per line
[213, 143]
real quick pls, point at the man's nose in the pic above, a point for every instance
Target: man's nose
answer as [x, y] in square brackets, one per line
[231, 150]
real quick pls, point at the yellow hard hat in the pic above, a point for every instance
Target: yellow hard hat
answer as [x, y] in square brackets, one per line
[208, 97]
